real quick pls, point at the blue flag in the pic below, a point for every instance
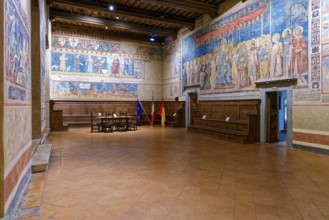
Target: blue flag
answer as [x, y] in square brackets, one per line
[139, 111]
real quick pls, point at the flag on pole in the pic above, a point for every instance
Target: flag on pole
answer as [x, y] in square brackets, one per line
[152, 113]
[139, 111]
[162, 113]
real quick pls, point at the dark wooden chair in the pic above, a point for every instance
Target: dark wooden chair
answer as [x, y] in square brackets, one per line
[107, 125]
[94, 123]
[122, 122]
[132, 124]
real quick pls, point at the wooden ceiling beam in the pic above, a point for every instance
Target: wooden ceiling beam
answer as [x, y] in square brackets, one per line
[188, 5]
[127, 11]
[103, 32]
[110, 23]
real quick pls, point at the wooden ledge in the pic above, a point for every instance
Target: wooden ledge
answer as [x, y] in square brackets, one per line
[277, 83]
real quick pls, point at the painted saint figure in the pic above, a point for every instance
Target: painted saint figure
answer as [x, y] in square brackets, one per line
[298, 64]
[286, 39]
[253, 62]
[208, 71]
[90, 63]
[242, 66]
[62, 59]
[115, 66]
[276, 56]
[77, 63]
[203, 76]
[191, 73]
[264, 59]
[184, 77]
[99, 65]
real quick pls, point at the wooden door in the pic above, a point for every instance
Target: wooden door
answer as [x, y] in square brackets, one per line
[194, 111]
[272, 117]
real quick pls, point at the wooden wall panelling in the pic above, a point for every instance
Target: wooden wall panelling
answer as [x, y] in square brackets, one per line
[78, 112]
[243, 125]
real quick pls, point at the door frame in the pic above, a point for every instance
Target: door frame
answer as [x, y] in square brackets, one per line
[188, 90]
[263, 113]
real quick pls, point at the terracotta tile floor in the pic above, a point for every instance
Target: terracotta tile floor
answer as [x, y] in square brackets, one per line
[168, 173]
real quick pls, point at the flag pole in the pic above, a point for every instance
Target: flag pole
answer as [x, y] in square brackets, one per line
[145, 112]
[152, 111]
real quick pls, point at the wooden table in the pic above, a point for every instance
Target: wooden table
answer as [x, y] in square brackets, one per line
[112, 119]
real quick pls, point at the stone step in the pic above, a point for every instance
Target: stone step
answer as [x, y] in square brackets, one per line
[41, 157]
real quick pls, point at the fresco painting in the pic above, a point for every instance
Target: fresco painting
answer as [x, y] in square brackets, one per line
[90, 68]
[315, 83]
[17, 51]
[172, 90]
[43, 40]
[72, 42]
[154, 53]
[62, 89]
[248, 44]
[43, 34]
[172, 66]
[114, 65]
[325, 45]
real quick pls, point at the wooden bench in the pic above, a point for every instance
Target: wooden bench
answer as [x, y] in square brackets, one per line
[177, 119]
[237, 131]
[77, 120]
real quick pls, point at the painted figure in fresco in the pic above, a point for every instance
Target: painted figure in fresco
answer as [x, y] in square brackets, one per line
[13, 58]
[115, 66]
[62, 60]
[129, 67]
[186, 75]
[90, 63]
[197, 68]
[221, 59]
[203, 76]
[213, 70]
[234, 62]
[298, 64]
[276, 58]
[25, 59]
[75, 91]
[227, 73]
[99, 64]
[122, 91]
[286, 39]
[138, 69]
[208, 71]
[113, 89]
[264, 58]
[61, 41]
[227, 69]
[77, 63]
[188, 72]
[191, 73]
[242, 66]
[253, 62]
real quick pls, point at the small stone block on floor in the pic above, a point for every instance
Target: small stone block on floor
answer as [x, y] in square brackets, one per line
[41, 158]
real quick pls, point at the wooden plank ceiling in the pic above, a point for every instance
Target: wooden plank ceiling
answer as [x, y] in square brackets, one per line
[130, 19]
